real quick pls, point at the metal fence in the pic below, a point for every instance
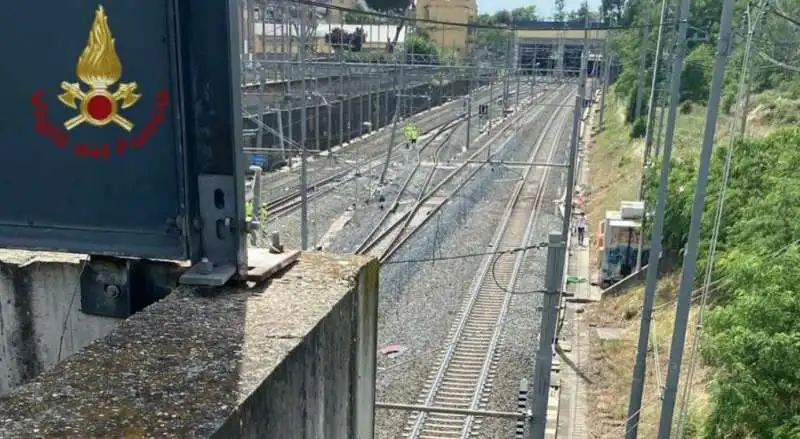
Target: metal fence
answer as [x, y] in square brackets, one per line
[350, 72]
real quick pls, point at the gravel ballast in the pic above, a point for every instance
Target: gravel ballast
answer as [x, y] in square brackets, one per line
[418, 300]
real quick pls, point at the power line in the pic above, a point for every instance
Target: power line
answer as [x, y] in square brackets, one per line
[468, 25]
[467, 255]
[794, 21]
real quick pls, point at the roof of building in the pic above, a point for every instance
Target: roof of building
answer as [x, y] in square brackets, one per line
[551, 25]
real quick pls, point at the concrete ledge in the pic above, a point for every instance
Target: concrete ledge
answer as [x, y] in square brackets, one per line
[295, 359]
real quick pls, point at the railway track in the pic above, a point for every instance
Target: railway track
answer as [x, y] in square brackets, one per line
[284, 204]
[427, 122]
[288, 203]
[386, 238]
[463, 377]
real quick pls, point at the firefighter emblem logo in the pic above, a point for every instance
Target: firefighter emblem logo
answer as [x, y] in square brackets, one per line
[99, 68]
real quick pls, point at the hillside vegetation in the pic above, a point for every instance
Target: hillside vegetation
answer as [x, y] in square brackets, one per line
[750, 341]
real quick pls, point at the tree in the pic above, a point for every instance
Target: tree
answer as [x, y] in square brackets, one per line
[524, 14]
[754, 344]
[420, 50]
[582, 13]
[560, 11]
[340, 40]
[611, 10]
[752, 336]
[501, 17]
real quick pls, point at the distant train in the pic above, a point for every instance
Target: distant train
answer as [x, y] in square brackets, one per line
[617, 242]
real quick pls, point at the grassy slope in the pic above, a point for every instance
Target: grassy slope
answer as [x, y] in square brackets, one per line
[614, 176]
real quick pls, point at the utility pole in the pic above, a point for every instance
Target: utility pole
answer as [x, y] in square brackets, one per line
[572, 165]
[534, 69]
[640, 70]
[606, 70]
[584, 61]
[505, 71]
[648, 136]
[303, 167]
[547, 335]
[470, 85]
[661, 114]
[517, 60]
[575, 139]
[690, 257]
[398, 108]
[747, 75]
[637, 386]
[341, 96]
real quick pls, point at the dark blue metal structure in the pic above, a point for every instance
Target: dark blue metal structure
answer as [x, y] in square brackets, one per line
[120, 131]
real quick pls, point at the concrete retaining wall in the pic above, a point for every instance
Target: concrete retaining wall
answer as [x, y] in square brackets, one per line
[40, 322]
[291, 360]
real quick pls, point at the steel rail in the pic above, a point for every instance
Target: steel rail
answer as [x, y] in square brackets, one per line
[286, 203]
[383, 133]
[401, 223]
[400, 240]
[464, 372]
[365, 243]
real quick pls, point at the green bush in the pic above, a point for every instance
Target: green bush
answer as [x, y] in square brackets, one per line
[752, 335]
[638, 128]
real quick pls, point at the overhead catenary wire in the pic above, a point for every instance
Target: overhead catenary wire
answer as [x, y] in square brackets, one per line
[460, 24]
[684, 404]
[466, 255]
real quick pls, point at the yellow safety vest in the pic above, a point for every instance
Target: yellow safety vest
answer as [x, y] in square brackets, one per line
[248, 209]
[410, 132]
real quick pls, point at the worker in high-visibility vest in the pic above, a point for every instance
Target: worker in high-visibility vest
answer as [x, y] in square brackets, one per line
[249, 211]
[411, 133]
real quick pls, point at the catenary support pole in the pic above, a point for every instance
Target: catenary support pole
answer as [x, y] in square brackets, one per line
[648, 134]
[640, 70]
[640, 367]
[573, 158]
[690, 257]
[398, 109]
[534, 70]
[584, 62]
[303, 129]
[747, 71]
[544, 356]
[661, 113]
[517, 72]
[575, 137]
[470, 86]
[606, 70]
[341, 97]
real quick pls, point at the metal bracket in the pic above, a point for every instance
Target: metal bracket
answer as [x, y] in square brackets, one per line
[117, 287]
[219, 232]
